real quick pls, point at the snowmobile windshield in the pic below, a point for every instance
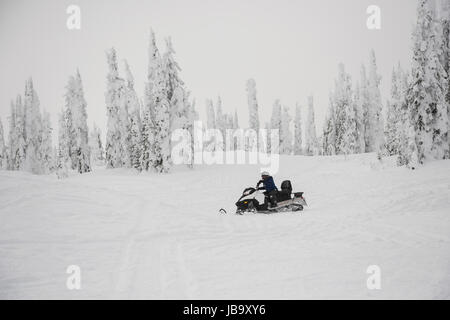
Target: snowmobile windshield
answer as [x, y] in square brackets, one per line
[248, 191]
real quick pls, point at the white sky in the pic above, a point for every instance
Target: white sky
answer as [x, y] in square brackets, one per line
[291, 48]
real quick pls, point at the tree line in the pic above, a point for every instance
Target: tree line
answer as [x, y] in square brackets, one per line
[138, 133]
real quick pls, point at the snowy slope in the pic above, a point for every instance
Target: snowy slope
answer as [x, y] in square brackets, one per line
[160, 236]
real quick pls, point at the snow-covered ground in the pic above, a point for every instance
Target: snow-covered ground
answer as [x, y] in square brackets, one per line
[160, 236]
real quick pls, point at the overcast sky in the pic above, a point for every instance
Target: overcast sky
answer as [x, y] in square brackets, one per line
[291, 48]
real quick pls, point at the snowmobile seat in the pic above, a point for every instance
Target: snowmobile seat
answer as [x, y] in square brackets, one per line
[286, 186]
[285, 192]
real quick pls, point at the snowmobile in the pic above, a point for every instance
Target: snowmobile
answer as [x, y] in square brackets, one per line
[254, 201]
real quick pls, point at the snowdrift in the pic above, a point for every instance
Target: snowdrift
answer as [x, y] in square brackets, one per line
[160, 236]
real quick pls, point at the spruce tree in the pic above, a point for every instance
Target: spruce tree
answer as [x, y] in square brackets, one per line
[445, 20]
[311, 145]
[235, 120]
[96, 146]
[3, 151]
[47, 144]
[135, 123]
[252, 105]
[20, 153]
[182, 114]
[113, 147]
[12, 140]
[148, 118]
[285, 132]
[77, 122]
[375, 107]
[298, 144]
[63, 159]
[345, 115]
[210, 115]
[364, 101]
[162, 117]
[360, 121]
[33, 129]
[393, 116]
[275, 123]
[329, 130]
[253, 112]
[425, 97]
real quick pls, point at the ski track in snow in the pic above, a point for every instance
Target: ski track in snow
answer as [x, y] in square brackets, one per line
[148, 236]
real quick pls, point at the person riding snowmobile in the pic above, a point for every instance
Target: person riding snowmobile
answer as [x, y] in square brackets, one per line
[270, 187]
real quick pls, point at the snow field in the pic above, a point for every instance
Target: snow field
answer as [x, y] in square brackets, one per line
[161, 237]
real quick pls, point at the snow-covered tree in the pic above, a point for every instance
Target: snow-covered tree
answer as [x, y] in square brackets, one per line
[148, 117]
[33, 129]
[311, 144]
[162, 133]
[329, 130]
[221, 118]
[96, 146]
[135, 124]
[115, 98]
[252, 105]
[344, 114]
[360, 121]
[394, 113]
[3, 152]
[405, 127]
[193, 115]
[124, 124]
[183, 117]
[18, 144]
[235, 126]
[210, 115]
[75, 104]
[182, 112]
[319, 145]
[426, 95]
[112, 148]
[223, 121]
[408, 152]
[162, 123]
[157, 119]
[285, 132]
[235, 120]
[376, 130]
[298, 144]
[253, 112]
[210, 124]
[47, 145]
[441, 137]
[229, 121]
[275, 120]
[63, 156]
[364, 102]
[445, 54]
[12, 140]
[267, 146]
[29, 134]
[171, 68]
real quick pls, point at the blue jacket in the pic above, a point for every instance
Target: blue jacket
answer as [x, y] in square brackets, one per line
[268, 183]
